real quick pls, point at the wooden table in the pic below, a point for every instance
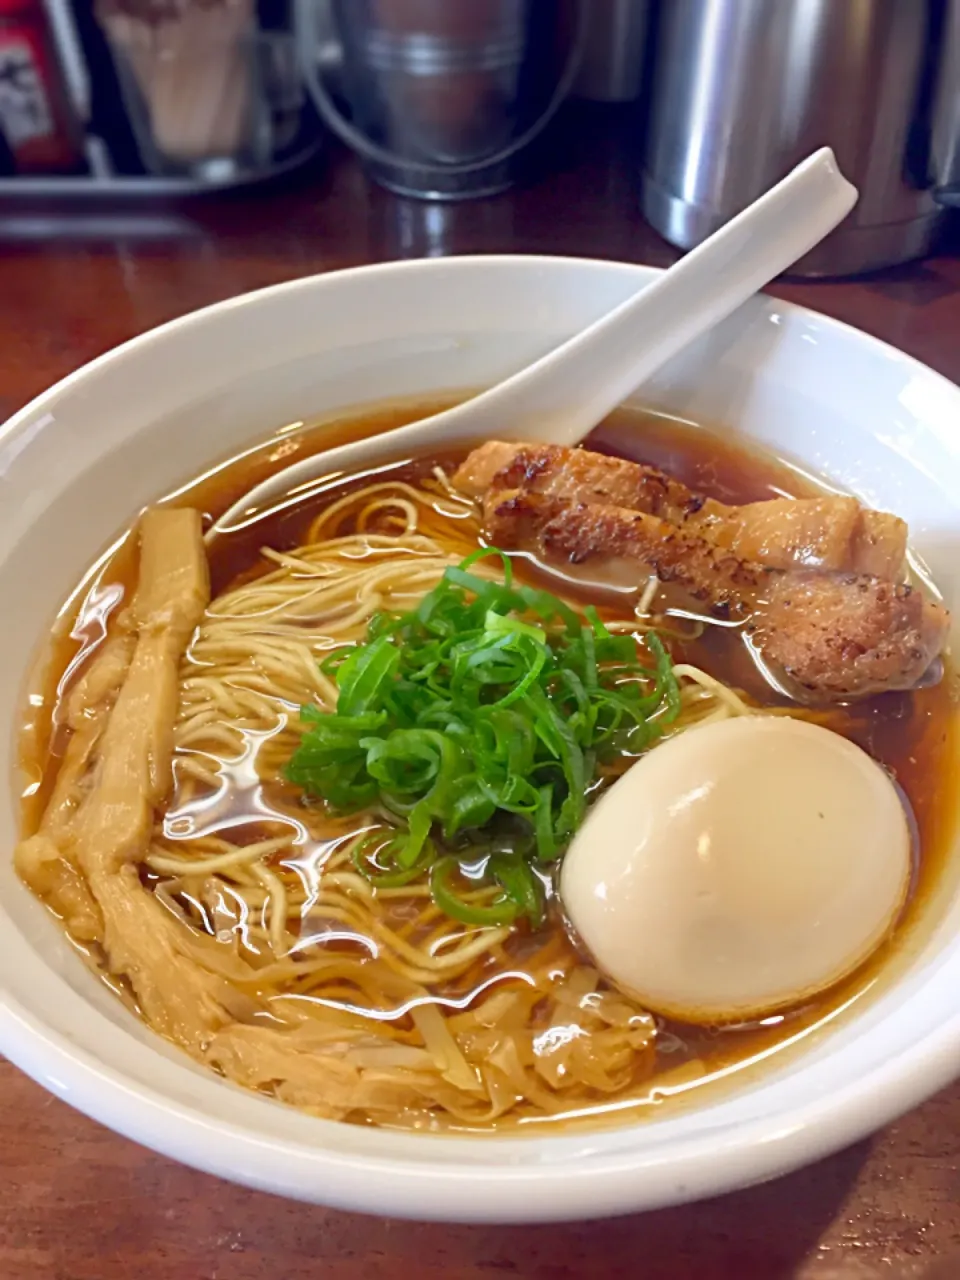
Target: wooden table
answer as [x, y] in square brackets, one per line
[78, 1203]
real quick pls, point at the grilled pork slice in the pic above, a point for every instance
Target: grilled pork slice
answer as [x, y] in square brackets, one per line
[850, 635]
[829, 532]
[582, 532]
[838, 635]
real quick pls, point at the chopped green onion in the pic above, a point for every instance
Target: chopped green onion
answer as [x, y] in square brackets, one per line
[519, 881]
[478, 721]
[501, 912]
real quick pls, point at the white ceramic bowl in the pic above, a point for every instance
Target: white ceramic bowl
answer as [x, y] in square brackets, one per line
[76, 465]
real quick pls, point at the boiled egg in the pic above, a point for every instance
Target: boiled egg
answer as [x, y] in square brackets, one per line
[739, 867]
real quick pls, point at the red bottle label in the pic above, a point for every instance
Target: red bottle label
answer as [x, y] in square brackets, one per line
[33, 114]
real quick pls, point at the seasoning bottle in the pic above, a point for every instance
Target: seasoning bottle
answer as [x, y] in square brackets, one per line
[35, 118]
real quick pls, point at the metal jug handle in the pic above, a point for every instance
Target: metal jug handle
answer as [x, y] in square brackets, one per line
[945, 122]
[304, 12]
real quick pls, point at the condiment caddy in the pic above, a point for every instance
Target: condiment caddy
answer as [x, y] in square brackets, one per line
[151, 99]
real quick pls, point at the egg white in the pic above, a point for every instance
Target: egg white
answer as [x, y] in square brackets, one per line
[739, 868]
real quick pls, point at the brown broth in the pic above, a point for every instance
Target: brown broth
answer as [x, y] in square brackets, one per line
[913, 735]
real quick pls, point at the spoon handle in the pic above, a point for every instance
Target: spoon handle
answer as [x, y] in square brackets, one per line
[566, 393]
[561, 397]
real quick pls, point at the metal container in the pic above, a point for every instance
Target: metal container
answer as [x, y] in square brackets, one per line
[438, 82]
[614, 42]
[744, 89]
[440, 97]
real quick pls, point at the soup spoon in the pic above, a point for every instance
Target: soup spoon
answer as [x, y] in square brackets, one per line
[561, 397]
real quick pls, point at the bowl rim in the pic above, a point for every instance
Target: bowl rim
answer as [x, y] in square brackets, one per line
[609, 1183]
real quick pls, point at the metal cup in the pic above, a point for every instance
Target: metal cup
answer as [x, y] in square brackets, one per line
[442, 95]
[432, 87]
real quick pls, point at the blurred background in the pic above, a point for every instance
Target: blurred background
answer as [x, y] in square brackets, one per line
[160, 155]
[142, 116]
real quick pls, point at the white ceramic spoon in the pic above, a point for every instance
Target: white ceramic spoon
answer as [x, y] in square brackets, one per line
[561, 397]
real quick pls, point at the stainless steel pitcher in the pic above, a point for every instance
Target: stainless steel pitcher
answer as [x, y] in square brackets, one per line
[744, 89]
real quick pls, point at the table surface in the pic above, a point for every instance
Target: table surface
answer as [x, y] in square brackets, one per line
[79, 1203]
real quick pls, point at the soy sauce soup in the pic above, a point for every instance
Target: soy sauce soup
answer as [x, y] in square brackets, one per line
[241, 799]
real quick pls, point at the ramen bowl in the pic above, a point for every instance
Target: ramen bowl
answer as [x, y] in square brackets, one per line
[78, 463]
